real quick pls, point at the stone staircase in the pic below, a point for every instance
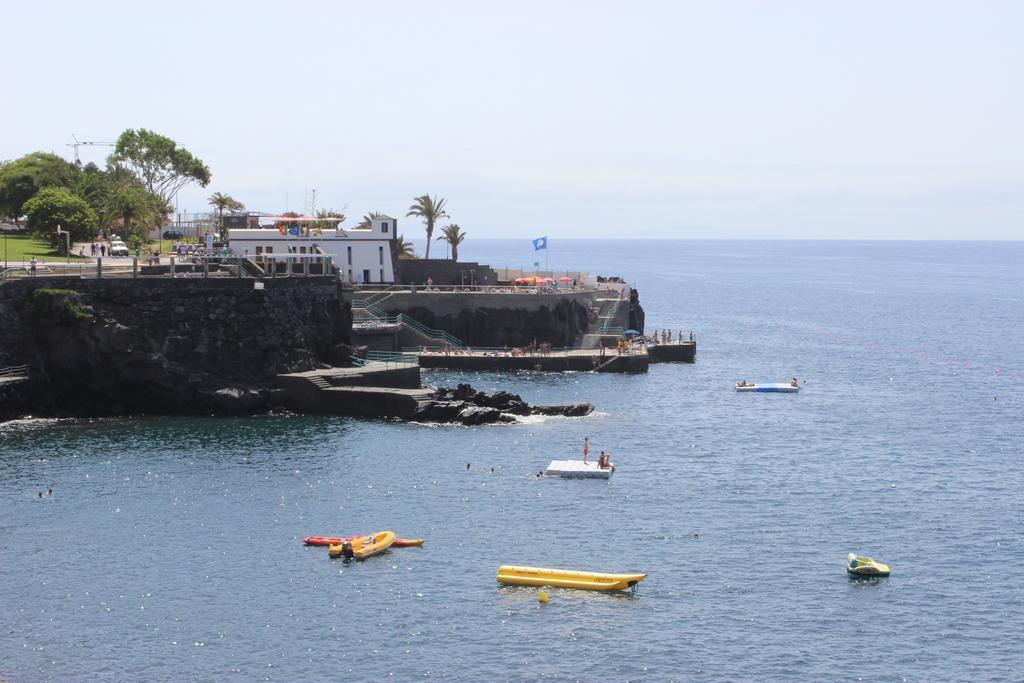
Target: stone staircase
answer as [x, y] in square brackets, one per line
[608, 323]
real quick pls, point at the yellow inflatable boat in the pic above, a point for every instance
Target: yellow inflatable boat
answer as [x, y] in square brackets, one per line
[865, 566]
[362, 547]
[563, 578]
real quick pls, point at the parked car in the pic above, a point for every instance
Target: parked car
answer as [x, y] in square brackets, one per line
[172, 235]
[118, 249]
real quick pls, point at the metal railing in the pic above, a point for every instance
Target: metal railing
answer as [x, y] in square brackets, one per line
[14, 372]
[489, 350]
[402, 319]
[229, 265]
[561, 288]
[388, 359]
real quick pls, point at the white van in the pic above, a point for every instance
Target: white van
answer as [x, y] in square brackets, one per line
[118, 248]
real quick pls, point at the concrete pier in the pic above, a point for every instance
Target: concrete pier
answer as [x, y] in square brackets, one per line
[579, 360]
[673, 352]
[374, 390]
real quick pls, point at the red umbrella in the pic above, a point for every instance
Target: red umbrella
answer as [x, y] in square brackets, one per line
[565, 279]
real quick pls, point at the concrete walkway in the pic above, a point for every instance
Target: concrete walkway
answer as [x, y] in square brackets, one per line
[579, 360]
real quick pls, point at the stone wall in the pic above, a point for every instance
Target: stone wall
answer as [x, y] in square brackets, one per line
[444, 272]
[493, 319]
[112, 346]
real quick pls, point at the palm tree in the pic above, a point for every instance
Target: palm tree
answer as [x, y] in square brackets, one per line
[365, 223]
[322, 214]
[405, 248]
[453, 235]
[430, 209]
[223, 201]
[134, 206]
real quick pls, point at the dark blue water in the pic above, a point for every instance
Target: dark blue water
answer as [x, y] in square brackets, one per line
[171, 548]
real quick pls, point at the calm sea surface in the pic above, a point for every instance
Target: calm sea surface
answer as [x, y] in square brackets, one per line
[171, 548]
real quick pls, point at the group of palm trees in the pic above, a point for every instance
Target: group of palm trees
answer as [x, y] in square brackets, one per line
[431, 210]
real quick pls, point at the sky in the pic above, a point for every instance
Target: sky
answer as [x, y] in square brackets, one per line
[691, 120]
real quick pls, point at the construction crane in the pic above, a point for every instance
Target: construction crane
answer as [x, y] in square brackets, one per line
[78, 143]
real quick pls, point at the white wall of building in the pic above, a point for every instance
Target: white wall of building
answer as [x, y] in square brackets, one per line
[363, 256]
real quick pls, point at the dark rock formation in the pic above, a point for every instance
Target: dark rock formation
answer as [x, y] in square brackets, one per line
[471, 407]
[193, 346]
[562, 323]
[636, 312]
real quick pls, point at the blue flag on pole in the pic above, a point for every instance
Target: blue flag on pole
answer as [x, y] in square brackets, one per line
[540, 243]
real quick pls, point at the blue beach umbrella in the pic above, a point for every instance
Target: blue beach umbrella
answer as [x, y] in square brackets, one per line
[630, 332]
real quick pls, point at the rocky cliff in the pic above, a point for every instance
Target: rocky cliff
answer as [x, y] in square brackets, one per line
[636, 312]
[116, 346]
[481, 320]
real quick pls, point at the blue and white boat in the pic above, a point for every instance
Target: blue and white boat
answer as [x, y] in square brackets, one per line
[779, 388]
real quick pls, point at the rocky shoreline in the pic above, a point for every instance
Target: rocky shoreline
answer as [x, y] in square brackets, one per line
[467, 406]
[461, 405]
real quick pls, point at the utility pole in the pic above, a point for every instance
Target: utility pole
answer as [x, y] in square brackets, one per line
[78, 143]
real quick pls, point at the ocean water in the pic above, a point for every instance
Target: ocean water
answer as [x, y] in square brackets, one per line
[171, 548]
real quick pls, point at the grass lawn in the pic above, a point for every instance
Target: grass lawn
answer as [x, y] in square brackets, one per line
[21, 248]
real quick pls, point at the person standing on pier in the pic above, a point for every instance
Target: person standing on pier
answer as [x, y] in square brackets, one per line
[586, 448]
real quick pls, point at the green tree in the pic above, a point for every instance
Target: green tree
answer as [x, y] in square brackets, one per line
[221, 202]
[453, 235]
[22, 178]
[366, 222]
[337, 215]
[162, 166]
[430, 209]
[405, 248]
[137, 209]
[53, 206]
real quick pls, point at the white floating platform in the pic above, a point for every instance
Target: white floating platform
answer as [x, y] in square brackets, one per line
[769, 388]
[577, 469]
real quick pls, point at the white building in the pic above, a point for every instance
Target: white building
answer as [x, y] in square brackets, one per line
[364, 256]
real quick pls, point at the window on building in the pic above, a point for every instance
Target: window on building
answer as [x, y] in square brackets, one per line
[382, 275]
[384, 226]
[350, 256]
[380, 251]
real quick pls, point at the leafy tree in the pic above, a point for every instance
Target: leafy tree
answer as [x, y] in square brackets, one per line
[162, 166]
[22, 178]
[223, 201]
[53, 206]
[366, 222]
[405, 248]
[453, 235]
[430, 209]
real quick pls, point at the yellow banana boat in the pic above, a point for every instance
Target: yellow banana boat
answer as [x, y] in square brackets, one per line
[865, 566]
[363, 547]
[564, 578]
